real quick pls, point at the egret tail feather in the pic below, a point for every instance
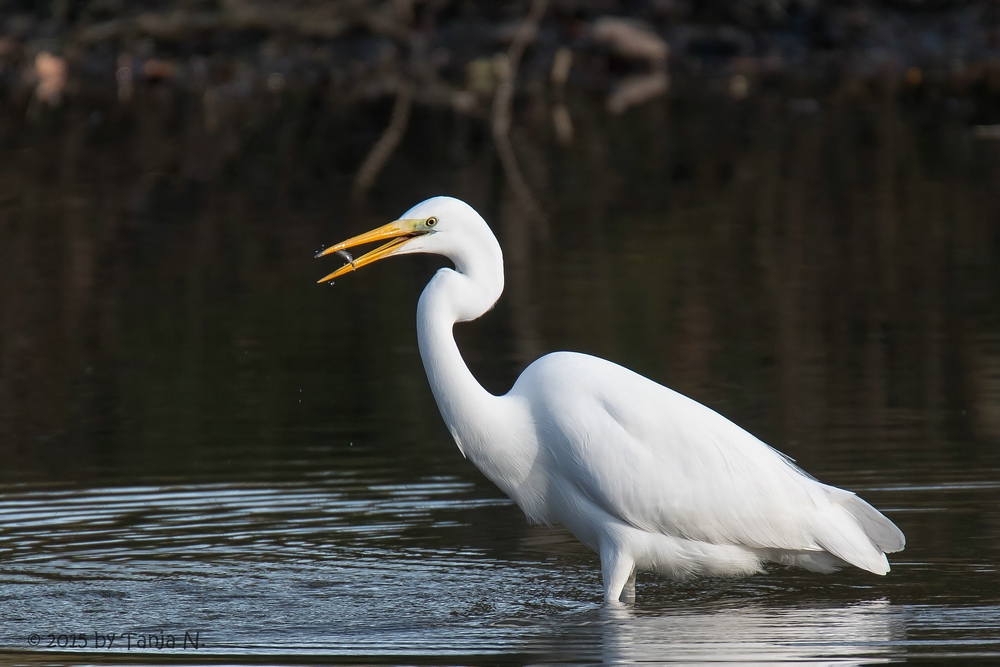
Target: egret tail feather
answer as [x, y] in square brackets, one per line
[879, 529]
[846, 538]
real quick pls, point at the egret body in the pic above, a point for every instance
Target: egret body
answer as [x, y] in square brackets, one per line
[644, 476]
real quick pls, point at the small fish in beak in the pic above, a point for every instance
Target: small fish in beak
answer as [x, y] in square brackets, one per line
[347, 257]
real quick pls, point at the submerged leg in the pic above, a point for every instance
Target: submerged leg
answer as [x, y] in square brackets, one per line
[618, 573]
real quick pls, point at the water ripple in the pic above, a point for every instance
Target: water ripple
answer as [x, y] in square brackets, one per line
[345, 567]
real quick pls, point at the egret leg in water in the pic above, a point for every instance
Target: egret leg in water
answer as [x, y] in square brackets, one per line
[644, 476]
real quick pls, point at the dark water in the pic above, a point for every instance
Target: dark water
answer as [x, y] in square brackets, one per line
[197, 440]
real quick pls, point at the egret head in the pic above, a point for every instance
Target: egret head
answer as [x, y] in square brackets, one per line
[440, 225]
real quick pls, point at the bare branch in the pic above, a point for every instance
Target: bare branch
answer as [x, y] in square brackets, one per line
[503, 101]
[387, 143]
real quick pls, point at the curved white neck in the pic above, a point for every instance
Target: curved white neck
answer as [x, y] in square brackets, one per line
[494, 432]
[465, 405]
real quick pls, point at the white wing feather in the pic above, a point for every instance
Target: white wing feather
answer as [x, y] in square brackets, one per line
[664, 463]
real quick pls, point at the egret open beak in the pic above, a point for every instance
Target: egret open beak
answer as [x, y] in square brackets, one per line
[398, 233]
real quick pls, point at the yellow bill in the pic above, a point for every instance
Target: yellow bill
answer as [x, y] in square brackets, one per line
[397, 233]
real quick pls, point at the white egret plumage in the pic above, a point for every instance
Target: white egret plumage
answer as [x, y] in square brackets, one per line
[644, 476]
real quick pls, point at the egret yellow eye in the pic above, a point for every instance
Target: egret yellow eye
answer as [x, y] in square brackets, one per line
[431, 222]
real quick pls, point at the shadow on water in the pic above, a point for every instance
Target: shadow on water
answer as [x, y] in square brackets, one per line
[196, 437]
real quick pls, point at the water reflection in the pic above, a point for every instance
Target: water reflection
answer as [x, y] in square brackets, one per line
[826, 282]
[851, 634]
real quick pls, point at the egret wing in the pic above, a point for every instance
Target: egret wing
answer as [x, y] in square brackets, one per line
[662, 462]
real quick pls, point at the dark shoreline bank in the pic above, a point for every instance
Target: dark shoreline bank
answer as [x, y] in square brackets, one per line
[353, 53]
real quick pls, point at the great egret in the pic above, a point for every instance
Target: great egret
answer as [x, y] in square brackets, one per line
[644, 476]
